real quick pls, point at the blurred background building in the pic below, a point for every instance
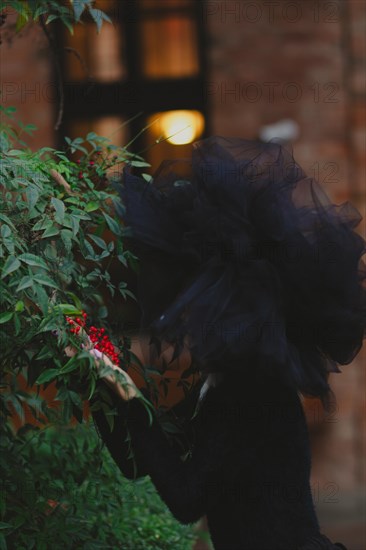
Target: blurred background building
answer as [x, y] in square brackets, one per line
[187, 69]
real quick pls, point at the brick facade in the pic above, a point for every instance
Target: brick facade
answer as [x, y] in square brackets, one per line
[269, 61]
[305, 61]
[26, 80]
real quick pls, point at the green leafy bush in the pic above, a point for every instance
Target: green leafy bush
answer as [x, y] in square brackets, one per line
[58, 236]
[67, 494]
[68, 13]
[58, 240]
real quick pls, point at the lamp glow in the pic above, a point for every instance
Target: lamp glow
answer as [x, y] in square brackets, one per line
[181, 127]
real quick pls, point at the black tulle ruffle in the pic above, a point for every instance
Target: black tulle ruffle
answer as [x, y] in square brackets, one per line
[245, 256]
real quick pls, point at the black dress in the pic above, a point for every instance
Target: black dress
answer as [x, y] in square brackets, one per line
[248, 471]
[244, 259]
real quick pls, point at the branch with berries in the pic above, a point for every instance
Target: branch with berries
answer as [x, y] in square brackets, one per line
[98, 344]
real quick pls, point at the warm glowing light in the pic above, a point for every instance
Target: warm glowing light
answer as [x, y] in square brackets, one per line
[180, 127]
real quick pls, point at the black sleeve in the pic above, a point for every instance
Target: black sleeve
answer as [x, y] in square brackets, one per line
[187, 487]
[117, 439]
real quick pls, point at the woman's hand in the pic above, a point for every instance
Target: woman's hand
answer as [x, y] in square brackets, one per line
[126, 393]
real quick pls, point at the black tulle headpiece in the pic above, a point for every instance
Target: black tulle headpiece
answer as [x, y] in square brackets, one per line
[245, 257]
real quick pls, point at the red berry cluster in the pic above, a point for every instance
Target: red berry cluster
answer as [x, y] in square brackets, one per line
[97, 336]
[87, 167]
[77, 324]
[102, 343]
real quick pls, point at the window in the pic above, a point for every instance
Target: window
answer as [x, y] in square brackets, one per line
[148, 63]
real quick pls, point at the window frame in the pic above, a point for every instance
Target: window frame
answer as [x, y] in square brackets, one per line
[139, 93]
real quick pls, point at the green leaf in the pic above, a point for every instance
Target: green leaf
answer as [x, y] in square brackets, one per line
[32, 195]
[4, 142]
[45, 280]
[7, 220]
[76, 301]
[75, 225]
[21, 21]
[66, 236]
[10, 110]
[50, 231]
[39, 11]
[71, 365]
[60, 210]
[68, 222]
[48, 324]
[11, 265]
[113, 225]
[90, 250]
[42, 301]
[68, 24]
[66, 411]
[147, 177]
[79, 7]
[171, 428]
[45, 353]
[15, 153]
[73, 200]
[122, 259]
[92, 206]
[51, 18]
[5, 317]
[25, 282]
[125, 292]
[92, 388]
[68, 309]
[140, 164]
[47, 376]
[19, 306]
[75, 147]
[29, 128]
[100, 242]
[98, 17]
[102, 312]
[9, 245]
[33, 260]
[41, 224]
[81, 215]
[75, 398]
[17, 324]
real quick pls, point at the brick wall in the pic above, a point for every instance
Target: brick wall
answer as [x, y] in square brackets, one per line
[305, 61]
[268, 61]
[26, 82]
[278, 60]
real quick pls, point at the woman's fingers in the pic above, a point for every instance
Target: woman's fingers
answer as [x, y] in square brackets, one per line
[127, 391]
[70, 351]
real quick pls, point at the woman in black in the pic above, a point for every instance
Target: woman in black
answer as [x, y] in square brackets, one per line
[245, 262]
